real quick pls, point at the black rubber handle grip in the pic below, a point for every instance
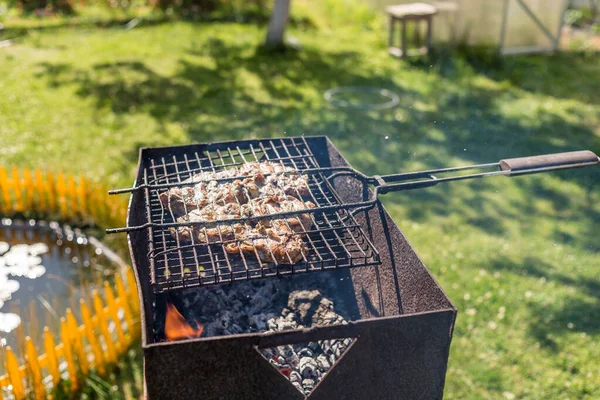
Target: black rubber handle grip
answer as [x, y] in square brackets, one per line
[550, 161]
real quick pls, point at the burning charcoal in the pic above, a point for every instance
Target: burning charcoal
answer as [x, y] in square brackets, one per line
[268, 353]
[335, 345]
[332, 359]
[288, 325]
[287, 352]
[304, 303]
[271, 315]
[295, 377]
[259, 304]
[268, 290]
[237, 305]
[210, 329]
[259, 321]
[283, 324]
[338, 353]
[309, 368]
[279, 362]
[245, 290]
[305, 352]
[285, 312]
[235, 329]
[308, 385]
[225, 321]
[326, 303]
[272, 324]
[325, 318]
[190, 298]
[323, 362]
[290, 317]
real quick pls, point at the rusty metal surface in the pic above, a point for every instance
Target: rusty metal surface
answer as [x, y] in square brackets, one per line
[395, 358]
[392, 358]
[403, 336]
[227, 368]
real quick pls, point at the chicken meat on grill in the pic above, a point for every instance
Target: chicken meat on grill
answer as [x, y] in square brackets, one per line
[261, 179]
[266, 188]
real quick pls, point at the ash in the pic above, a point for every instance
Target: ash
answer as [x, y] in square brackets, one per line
[278, 304]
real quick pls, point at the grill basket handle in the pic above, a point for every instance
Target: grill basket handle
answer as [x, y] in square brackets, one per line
[507, 167]
[524, 165]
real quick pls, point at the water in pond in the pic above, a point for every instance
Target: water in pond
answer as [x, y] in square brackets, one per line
[44, 269]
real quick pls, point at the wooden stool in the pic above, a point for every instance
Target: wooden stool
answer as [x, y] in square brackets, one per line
[404, 13]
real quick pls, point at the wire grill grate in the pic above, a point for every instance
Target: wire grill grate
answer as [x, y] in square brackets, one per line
[334, 239]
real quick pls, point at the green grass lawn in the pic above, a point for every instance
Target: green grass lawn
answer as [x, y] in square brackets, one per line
[519, 257]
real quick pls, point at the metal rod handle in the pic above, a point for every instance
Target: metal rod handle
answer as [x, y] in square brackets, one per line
[508, 167]
[523, 165]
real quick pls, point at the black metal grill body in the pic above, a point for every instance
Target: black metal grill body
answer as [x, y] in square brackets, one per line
[402, 337]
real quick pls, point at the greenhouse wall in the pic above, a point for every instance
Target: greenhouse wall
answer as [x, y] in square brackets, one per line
[480, 22]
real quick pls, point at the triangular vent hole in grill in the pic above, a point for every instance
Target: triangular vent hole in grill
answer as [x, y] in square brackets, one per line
[307, 364]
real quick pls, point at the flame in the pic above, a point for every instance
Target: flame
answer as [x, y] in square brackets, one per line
[177, 327]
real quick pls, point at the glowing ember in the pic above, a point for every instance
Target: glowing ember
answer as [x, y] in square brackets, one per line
[177, 328]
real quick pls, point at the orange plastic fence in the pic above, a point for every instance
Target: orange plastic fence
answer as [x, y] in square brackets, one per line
[57, 194]
[89, 345]
[109, 323]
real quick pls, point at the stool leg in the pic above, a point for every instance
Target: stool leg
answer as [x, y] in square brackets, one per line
[391, 39]
[418, 33]
[429, 28]
[403, 38]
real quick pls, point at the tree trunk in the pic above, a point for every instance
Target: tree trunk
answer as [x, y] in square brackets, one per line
[277, 23]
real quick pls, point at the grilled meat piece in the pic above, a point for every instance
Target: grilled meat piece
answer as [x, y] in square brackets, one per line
[270, 245]
[177, 201]
[262, 179]
[226, 232]
[268, 188]
[279, 204]
[214, 233]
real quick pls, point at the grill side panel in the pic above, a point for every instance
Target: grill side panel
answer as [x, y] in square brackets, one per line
[401, 284]
[214, 370]
[401, 357]
[398, 358]
[138, 249]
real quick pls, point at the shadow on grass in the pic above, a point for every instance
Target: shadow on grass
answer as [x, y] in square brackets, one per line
[245, 16]
[579, 312]
[556, 75]
[241, 93]
[43, 27]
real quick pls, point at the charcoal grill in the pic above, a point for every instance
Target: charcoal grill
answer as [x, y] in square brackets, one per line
[405, 329]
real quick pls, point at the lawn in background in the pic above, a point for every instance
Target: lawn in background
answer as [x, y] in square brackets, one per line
[520, 257]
